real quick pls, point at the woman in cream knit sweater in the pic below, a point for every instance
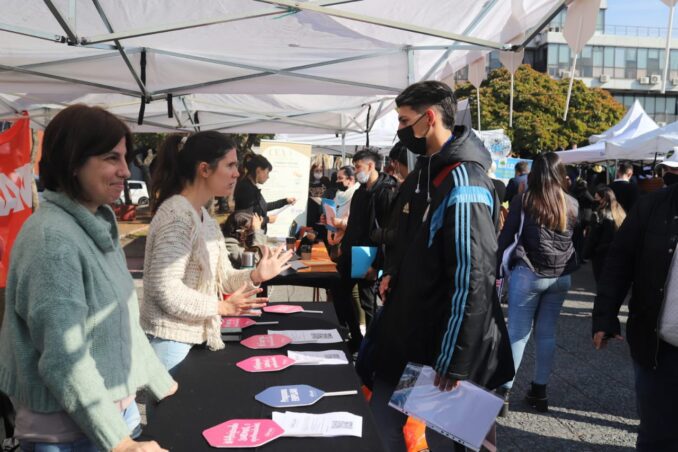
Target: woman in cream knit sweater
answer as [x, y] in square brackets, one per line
[187, 269]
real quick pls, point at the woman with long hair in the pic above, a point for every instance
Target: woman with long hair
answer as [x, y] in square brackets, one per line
[541, 266]
[189, 281]
[606, 220]
[248, 196]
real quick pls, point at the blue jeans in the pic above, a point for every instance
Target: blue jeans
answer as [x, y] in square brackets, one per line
[130, 415]
[657, 399]
[534, 300]
[170, 353]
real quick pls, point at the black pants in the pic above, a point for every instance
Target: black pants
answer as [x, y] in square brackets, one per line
[347, 312]
[657, 399]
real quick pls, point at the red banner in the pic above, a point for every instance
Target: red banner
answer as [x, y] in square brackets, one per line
[16, 198]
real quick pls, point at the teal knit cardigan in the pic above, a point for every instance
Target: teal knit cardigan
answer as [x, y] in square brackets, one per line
[71, 339]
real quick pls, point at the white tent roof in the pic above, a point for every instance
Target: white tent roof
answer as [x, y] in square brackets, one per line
[63, 50]
[596, 152]
[645, 147]
[635, 118]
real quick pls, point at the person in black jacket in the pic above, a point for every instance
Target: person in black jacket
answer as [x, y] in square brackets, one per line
[442, 310]
[513, 188]
[605, 222]
[370, 207]
[642, 258]
[625, 190]
[541, 265]
[248, 196]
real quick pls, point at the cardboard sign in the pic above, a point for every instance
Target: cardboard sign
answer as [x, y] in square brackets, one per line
[287, 309]
[270, 363]
[295, 395]
[266, 341]
[243, 433]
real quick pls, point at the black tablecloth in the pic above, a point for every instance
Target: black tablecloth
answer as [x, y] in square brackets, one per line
[324, 280]
[213, 390]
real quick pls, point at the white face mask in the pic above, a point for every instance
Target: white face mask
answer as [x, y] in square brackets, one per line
[362, 177]
[317, 175]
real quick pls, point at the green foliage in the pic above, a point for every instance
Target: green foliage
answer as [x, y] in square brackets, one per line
[243, 141]
[538, 107]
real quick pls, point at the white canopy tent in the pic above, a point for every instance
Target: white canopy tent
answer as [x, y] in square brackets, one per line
[648, 146]
[635, 118]
[172, 52]
[635, 124]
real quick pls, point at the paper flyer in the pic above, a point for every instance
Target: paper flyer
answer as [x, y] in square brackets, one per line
[324, 357]
[329, 208]
[465, 414]
[310, 336]
[325, 425]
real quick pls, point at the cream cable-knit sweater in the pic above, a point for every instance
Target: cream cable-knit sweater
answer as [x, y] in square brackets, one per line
[186, 269]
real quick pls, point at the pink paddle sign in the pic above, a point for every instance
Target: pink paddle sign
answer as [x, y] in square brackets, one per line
[243, 433]
[269, 363]
[287, 309]
[264, 341]
[236, 322]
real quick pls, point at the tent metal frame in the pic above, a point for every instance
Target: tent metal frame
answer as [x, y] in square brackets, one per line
[277, 7]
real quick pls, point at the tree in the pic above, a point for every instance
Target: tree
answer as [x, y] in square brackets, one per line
[538, 106]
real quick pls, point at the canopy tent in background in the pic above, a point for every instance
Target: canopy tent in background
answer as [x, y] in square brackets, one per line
[631, 119]
[635, 123]
[63, 50]
[656, 143]
[382, 135]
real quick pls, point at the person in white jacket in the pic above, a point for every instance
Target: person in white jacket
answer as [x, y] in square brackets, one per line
[346, 187]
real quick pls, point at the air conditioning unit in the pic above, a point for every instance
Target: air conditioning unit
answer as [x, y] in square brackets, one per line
[644, 80]
[654, 79]
[565, 74]
[604, 78]
[674, 81]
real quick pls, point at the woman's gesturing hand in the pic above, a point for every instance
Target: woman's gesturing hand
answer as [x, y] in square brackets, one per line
[271, 264]
[241, 301]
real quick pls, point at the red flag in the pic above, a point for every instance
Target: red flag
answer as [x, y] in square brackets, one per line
[16, 198]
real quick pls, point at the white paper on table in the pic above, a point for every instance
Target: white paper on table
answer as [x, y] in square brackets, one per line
[318, 358]
[310, 336]
[464, 414]
[339, 423]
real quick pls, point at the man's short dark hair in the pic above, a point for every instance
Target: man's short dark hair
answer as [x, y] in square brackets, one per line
[367, 154]
[522, 167]
[624, 168]
[74, 135]
[431, 93]
[399, 153]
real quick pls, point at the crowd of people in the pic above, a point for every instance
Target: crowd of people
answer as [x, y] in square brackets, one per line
[76, 345]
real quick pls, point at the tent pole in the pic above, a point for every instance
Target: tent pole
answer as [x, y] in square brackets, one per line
[343, 147]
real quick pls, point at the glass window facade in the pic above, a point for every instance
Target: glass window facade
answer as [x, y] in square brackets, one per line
[660, 108]
[617, 62]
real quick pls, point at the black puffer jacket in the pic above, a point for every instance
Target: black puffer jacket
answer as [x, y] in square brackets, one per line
[639, 258]
[443, 310]
[370, 209]
[547, 253]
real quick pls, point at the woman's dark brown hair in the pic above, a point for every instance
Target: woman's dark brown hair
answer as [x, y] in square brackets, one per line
[544, 199]
[178, 160]
[75, 134]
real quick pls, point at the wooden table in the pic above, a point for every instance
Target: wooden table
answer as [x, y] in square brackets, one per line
[321, 273]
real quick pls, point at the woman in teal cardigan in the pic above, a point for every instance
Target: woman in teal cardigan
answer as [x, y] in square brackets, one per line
[72, 353]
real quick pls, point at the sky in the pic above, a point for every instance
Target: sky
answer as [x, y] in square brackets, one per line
[642, 13]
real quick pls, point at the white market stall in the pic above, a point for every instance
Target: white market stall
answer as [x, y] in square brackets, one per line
[648, 146]
[162, 53]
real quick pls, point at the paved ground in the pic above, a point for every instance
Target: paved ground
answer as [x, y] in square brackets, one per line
[590, 393]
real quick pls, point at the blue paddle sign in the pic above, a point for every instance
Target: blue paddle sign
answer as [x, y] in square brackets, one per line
[295, 395]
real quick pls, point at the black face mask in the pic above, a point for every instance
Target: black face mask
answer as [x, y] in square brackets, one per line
[341, 187]
[414, 144]
[670, 178]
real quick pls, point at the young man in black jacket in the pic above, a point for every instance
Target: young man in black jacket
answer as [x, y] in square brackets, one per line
[642, 258]
[370, 208]
[442, 309]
